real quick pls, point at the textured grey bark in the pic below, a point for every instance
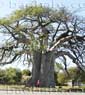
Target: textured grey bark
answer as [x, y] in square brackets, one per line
[43, 70]
[36, 69]
[47, 70]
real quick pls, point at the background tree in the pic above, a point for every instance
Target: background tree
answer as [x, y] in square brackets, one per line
[26, 72]
[74, 75]
[40, 35]
[62, 78]
[2, 76]
[13, 76]
[26, 75]
[57, 69]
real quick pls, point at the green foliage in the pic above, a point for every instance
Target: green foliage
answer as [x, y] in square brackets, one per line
[17, 14]
[13, 76]
[28, 11]
[34, 45]
[2, 76]
[5, 21]
[56, 78]
[35, 10]
[83, 77]
[26, 72]
[24, 12]
[74, 74]
[62, 78]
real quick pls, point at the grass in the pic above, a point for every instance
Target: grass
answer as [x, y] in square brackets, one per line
[70, 88]
[57, 88]
[8, 87]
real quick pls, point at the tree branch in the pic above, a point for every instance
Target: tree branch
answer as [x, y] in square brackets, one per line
[62, 53]
[12, 60]
[60, 42]
[56, 32]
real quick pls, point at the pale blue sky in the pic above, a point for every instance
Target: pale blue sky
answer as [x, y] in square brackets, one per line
[7, 6]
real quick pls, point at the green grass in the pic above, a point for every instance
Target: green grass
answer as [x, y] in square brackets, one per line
[6, 87]
[22, 87]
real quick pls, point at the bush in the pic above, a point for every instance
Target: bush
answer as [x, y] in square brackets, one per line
[13, 76]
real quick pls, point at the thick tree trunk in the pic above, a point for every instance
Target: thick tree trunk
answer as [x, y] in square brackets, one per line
[36, 68]
[47, 70]
[43, 70]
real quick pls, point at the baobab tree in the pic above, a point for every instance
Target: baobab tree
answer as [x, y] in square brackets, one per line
[40, 35]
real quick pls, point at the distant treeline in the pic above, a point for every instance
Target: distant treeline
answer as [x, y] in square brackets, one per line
[14, 76]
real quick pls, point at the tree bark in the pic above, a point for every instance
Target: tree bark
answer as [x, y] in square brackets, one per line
[47, 70]
[43, 70]
[36, 68]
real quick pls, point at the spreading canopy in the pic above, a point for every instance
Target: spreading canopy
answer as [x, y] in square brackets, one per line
[37, 28]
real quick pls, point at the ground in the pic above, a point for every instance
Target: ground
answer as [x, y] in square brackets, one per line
[38, 93]
[22, 90]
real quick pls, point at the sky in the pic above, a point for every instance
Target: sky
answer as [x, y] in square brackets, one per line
[8, 6]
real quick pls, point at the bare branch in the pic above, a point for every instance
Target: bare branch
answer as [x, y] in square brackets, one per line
[62, 53]
[60, 42]
[12, 60]
[56, 32]
[13, 35]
